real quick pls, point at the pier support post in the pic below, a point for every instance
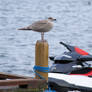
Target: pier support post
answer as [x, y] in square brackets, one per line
[41, 57]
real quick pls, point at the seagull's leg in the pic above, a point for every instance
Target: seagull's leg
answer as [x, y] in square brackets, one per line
[42, 36]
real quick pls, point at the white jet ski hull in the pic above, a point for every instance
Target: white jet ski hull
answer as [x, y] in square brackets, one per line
[78, 82]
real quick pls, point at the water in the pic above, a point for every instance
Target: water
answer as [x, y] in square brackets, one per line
[17, 48]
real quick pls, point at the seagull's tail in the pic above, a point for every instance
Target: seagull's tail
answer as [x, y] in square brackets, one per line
[25, 28]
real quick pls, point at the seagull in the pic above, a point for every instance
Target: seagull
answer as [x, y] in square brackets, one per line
[40, 26]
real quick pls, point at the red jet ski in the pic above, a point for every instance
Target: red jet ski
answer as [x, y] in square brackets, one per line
[71, 70]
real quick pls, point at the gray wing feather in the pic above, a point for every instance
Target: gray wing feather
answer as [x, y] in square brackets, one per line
[39, 24]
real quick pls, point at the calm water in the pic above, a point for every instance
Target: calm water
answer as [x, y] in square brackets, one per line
[73, 26]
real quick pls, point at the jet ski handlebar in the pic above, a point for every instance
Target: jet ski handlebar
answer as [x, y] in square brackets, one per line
[51, 58]
[67, 46]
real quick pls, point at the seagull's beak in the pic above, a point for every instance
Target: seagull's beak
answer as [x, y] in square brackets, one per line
[54, 19]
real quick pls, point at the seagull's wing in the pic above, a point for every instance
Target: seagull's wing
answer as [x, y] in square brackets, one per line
[39, 24]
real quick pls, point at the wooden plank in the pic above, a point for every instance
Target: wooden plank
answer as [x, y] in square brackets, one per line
[33, 83]
[8, 87]
[23, 90]
[12, 76]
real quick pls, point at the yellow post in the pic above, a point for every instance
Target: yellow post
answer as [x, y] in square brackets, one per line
[41, 57]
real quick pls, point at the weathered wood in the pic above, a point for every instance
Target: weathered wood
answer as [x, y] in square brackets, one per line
[41, 57]
[11, 76]
[32, 83]
[23, 90]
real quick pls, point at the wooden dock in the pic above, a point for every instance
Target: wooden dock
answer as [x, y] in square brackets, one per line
[9, 81]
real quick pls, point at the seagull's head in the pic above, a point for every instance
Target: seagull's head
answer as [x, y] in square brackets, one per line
[51, 19]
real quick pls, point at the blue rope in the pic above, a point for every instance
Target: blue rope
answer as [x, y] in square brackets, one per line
[45, 70]
[49, 90]
[41, 69]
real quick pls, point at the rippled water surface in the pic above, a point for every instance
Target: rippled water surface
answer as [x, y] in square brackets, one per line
[17, 48]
